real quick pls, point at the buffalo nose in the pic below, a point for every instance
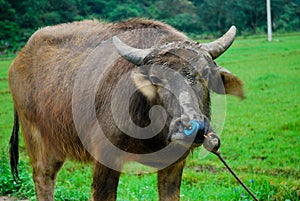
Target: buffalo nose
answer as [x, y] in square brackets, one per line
[193, 128]
[197, 129]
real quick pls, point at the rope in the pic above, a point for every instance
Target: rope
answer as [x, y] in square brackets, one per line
[235, 176]
[212, 144]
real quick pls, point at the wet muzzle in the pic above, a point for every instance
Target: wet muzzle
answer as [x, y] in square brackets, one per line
[197, 130]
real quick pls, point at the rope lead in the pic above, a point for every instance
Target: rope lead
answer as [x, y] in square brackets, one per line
[212, 144]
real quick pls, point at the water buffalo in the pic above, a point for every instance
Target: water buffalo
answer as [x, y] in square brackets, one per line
[109, 93]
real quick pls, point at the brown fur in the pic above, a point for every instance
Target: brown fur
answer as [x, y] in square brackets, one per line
[41, 81]
[42, 92]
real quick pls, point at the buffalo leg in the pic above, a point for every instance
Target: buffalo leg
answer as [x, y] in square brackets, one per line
[169, 181]
[44, 162]
[44, 176]
[105, 183]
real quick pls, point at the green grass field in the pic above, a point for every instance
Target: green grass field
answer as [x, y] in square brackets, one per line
[260, 139]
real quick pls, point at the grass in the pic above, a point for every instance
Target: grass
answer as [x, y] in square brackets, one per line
[260, 139]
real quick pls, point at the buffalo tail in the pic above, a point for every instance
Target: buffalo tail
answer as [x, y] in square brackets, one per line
[14, 148]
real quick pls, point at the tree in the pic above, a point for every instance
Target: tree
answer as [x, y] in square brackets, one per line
[20, 18]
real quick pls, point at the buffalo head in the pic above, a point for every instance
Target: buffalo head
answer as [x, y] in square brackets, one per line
[180, 75]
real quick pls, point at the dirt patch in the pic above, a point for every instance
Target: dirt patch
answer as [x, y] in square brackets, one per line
[6, 198]
[205, 168]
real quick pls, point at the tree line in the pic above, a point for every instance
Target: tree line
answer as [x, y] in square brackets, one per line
[20, 18]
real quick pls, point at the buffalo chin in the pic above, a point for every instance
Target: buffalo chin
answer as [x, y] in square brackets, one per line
[179, 139]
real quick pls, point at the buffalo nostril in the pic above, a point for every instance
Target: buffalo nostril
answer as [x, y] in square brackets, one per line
[169, 138]
[192, 129]
[197, 129]
[188, 125]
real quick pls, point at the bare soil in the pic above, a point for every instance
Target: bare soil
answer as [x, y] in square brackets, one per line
[6, 198]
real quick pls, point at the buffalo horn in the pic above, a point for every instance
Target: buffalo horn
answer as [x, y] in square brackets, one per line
[218, 47]
[134, 55]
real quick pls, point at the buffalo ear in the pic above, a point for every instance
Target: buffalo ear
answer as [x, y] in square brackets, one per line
[230, 84]
[233, 85]
[142, 81]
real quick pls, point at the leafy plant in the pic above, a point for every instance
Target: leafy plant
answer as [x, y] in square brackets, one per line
[20, 18]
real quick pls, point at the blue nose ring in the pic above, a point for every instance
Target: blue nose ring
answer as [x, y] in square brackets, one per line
[193, 129]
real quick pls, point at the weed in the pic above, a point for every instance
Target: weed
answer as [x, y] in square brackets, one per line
[260, 139]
